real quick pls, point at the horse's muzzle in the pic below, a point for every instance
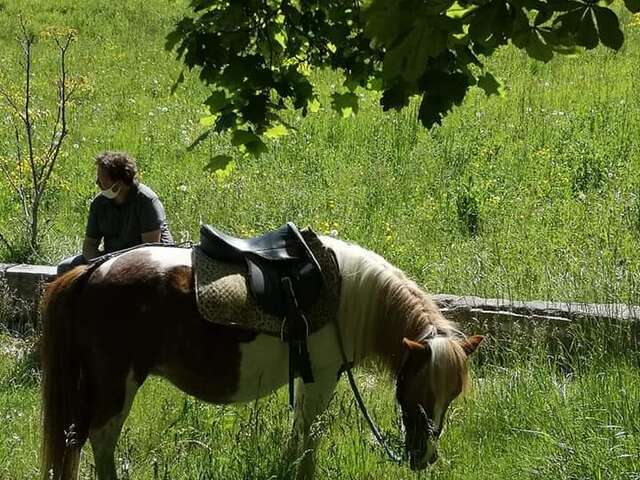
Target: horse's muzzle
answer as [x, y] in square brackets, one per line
[420, 462]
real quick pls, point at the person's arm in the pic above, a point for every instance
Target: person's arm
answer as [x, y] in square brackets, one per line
[90, 248]
[92, 234]
[152, 221]
[151, 237]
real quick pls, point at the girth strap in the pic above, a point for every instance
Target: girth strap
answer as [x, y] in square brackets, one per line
[296, 329]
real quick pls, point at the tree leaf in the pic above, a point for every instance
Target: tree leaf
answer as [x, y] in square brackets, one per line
[346, 104]
[441, 91]
[632, 5]
[208, 120]
[430, 111]
[587, 32]
[536, 48]
[255, 110]
[384, 22]
[459, 11]
[217, 101]
[543, 16]
[609, 28]
[566, 25]
[490, 84]
[242, 137]
[276, 131]
[219, 162]
[408, 58]
[396, 97]
[488, 23]
[201, 138]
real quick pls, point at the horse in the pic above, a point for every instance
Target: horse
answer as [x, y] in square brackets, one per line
[106, 329]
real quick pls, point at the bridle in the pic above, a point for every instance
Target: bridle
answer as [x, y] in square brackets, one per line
[429, 424]
[347, 366]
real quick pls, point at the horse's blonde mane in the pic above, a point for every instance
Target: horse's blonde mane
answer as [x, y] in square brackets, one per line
[380, 298]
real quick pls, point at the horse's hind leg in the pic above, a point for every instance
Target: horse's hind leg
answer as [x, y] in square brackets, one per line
[111, 408]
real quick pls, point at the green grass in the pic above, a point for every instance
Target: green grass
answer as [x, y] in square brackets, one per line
[548, 176]
[529, 415]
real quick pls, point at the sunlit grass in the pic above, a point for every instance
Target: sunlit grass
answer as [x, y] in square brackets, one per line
[529, 414]
[547, 177]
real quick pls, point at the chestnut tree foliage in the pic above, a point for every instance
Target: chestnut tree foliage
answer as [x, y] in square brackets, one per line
[257, 55]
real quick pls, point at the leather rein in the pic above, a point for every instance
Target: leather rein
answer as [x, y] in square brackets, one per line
[346, 367]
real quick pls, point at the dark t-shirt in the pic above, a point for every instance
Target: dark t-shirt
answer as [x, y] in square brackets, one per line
[121, 226]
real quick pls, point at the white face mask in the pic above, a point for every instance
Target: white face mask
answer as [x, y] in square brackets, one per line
[110, 193]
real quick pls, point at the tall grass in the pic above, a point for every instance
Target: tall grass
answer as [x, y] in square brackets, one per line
[534, 195]
[562, 413]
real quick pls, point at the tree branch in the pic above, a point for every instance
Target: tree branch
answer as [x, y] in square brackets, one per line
[27, 42]
[8, 245]
[11, 103]
[58, 135]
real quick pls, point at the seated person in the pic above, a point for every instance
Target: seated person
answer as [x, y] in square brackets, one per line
[124, 214]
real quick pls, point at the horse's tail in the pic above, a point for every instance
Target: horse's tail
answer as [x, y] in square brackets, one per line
[65, 414]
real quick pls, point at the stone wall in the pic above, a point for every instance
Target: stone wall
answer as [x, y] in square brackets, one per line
[475, 314]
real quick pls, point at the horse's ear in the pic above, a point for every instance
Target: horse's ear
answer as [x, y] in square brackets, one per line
[419, 353]
[471, 343]
[412, 345]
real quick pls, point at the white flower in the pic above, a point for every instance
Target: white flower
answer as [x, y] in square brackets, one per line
[182, 188]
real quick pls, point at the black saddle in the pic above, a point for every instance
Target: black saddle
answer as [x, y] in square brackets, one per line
[284, 278]
[270, 258]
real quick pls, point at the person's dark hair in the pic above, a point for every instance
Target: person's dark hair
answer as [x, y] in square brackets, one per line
[119, 166]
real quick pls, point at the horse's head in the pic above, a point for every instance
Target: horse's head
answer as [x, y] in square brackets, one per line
[432, 375]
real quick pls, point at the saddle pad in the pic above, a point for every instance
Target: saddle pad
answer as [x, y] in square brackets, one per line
[223, 295]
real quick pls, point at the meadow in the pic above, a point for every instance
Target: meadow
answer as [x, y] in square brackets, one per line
[533, 195]
[536, 410]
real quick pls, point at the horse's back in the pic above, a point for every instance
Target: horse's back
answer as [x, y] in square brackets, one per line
[145, 263]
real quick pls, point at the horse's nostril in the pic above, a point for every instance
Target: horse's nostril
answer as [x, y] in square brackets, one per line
[433, 457]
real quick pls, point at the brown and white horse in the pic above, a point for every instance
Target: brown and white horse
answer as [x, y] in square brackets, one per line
[106, 330]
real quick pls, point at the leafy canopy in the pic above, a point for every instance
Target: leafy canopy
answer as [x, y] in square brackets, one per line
[257, 55]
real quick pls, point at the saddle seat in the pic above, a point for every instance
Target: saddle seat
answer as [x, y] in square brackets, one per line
[270, 258]
[280, 244]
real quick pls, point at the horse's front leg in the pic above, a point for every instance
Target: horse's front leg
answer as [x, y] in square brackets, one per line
[311, 400]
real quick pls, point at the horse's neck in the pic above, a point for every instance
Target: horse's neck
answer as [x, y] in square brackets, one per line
[369, 329]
